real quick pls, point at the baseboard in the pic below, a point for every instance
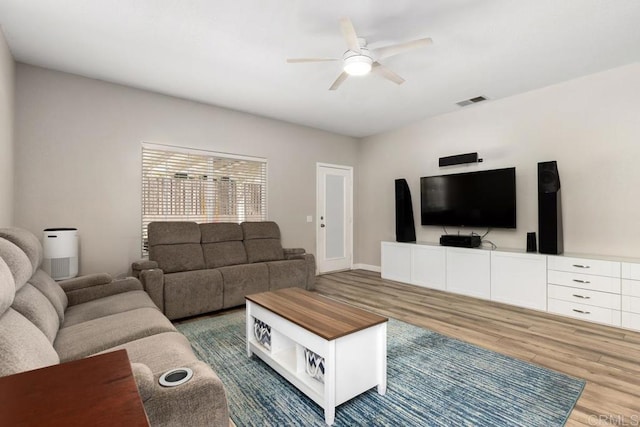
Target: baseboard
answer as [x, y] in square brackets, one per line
[368, 267]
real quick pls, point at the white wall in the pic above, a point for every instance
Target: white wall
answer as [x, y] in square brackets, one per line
[590, 125]
[78, 150]
[6, 133]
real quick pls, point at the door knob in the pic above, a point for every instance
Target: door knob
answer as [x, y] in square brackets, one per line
[321, 225]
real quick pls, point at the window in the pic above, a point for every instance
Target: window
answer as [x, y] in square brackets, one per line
[181, 184]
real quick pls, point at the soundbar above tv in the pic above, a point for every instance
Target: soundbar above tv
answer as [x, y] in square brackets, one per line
[474, 199]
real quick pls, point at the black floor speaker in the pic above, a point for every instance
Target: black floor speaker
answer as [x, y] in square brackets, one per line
[549, 209]
[405, 227]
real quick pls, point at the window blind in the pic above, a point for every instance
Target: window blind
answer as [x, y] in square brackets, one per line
[195, 185]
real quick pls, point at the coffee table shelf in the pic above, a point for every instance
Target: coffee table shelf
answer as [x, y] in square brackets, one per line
[354, 353]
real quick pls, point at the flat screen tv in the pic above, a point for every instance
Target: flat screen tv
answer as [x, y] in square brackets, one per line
[473, 199]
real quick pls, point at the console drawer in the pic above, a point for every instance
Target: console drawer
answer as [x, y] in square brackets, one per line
[584, 281]
[584, 266]
[631, 304]
[631, 321]
[584, 312]
[584, 296]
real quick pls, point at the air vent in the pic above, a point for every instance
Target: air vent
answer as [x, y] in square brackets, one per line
[471, 101]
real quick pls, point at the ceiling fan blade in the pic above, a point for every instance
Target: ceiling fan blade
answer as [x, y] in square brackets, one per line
[341, 78]
[387, 51]
[349, 34]
[383, 71]
[298, 60]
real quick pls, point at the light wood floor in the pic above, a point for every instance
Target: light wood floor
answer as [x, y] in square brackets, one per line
[607, 358]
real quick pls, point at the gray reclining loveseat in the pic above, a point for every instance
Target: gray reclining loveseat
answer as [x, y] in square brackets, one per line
[198, 268]
[43, 323]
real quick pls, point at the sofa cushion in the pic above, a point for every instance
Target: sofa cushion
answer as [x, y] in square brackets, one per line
[222, 244]
[287, 274]
[262, 241]
[93, 336]
[7, 287]
[106, 306]
[241, 280]
[17, 261]
[192, 292]
[260, 230]
[223, 254]
[173, 232]
[161, 352]
[175, 246]
[27, 242]
[214, 232]
[52, 290]
[30, 302]
[23, 346]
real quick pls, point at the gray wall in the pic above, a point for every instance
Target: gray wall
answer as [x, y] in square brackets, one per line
[590, 125]
[6, 133]
[79, 146]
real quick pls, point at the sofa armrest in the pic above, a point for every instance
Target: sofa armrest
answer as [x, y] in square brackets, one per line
[311, 271]
[94, 289]
[87, 281]
[153, 283]
[144, 380]
[142, 264]
[201, 401]
[293, 253]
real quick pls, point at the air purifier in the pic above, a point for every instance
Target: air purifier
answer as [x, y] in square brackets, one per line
[60, 252]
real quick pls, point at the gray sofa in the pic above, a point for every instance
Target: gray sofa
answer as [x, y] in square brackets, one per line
[199, 268]
[43, 323]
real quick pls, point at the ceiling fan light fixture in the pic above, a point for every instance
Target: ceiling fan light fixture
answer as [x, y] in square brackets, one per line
[357, 65]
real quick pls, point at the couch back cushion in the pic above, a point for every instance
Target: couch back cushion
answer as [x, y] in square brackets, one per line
[27, 242]
[17, 261]
[175, 246]
[52, 290]
[33, 305]
[7, 287]
[262, 241]
[222, 244]
[23, 346]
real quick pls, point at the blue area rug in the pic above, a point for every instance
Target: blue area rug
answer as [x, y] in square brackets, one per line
[433, 380]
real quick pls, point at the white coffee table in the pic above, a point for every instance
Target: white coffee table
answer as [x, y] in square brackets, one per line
[349, 343]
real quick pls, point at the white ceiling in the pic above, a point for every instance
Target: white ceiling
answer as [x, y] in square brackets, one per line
[232, 53]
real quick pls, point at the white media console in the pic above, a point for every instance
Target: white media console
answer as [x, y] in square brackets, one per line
[598, 289]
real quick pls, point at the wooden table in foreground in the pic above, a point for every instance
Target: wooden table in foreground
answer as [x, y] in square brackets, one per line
[96, 391]
[330, 351]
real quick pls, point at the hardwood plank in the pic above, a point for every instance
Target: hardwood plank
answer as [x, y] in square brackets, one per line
[607, 358]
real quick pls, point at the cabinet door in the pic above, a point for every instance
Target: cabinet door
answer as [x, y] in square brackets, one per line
[469, 272]
[396, 261]
[519, 279]
[428, 266]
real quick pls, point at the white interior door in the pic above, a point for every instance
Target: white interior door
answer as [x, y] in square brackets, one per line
[334, 235]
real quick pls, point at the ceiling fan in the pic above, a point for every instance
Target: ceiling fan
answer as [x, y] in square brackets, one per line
[358, 60]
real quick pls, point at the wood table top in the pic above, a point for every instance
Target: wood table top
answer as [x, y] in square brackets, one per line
[320, 315]
[96, 391]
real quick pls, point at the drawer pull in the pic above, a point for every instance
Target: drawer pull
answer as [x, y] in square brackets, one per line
[581, 296]
[581, 281]
[581, 266]
[581, 312]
